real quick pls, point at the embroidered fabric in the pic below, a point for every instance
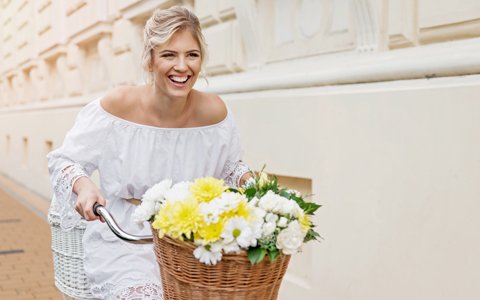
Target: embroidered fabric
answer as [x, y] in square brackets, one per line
[239, 169]
[64, 198]
[129, 289]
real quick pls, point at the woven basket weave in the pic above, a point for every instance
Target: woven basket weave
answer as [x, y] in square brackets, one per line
[185, 278]
[67, 250]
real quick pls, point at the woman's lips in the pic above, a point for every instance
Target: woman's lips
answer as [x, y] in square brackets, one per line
[179, 80]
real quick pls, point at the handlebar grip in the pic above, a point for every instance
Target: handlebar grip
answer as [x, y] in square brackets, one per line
[96, 206]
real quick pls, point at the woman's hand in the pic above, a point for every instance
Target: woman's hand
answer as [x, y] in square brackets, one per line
[87, 195]
[245, 177]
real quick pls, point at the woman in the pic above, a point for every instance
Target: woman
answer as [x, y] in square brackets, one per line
[136, 136]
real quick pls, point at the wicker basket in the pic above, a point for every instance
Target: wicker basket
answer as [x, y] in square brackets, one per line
[185, 278]
[67, 249]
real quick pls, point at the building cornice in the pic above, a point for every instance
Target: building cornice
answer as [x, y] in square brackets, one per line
[437, 60]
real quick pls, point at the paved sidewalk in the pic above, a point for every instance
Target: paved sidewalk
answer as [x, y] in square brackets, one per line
[26, 268]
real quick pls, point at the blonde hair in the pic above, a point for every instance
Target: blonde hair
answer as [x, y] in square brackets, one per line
[163, 24]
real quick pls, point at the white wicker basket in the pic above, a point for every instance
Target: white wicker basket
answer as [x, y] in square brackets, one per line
[67, 249]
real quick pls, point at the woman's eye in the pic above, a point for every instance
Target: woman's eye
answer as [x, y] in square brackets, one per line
[167, 55]
[194, 55]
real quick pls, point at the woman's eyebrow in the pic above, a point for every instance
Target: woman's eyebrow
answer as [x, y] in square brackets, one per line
[167, 51]
[172, 51]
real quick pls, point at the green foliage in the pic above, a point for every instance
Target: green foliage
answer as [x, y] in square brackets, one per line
[273, 255]
[311, 235]
[256, 255]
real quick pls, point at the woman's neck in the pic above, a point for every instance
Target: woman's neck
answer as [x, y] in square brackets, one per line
[166, 107]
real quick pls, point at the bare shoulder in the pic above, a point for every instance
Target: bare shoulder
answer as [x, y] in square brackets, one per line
[211, 109]
[119, 101]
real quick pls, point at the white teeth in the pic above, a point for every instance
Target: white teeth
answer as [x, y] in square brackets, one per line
[179, 79]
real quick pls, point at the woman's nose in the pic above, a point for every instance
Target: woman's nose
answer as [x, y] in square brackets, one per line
[181, 64]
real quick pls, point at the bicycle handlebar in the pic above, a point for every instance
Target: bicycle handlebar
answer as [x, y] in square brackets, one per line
[100, 210]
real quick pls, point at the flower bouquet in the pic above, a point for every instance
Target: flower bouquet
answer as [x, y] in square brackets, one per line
[212, 241]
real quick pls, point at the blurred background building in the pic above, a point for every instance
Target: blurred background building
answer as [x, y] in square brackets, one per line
[372, 106]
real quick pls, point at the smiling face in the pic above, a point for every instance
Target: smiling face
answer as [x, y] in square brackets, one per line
[176, 65]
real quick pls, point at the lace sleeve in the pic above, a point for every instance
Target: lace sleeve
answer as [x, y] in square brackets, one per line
[63, 202]
[235, 172]
[78, 156]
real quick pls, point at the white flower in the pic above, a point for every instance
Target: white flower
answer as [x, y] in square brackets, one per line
[271, 218]
[282, 222]
[207, 256]
[178, 192]
[280, 205]
[237, 229]
[295, 192]
[290, 239]
[288, 207]
[144, 212]
[253, 202]
[298, 211]
[231, 247]
[257, 230]
[229, 201]
[268, 201]
[211, 211]
[269, 228]
[157, 192]
[258, 213]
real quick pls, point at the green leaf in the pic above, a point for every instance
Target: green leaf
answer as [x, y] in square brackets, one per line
[256, 255]
[250, 192]
[311, 235]
[310, 207]
[273, 255]
[285, 194]
[234, 190]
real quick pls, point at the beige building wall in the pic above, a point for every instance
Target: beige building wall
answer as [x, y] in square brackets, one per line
[370, 105]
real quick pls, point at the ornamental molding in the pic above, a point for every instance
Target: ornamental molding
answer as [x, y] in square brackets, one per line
[437, 60]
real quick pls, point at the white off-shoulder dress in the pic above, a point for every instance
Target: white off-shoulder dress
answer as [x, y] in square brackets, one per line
[130, 158]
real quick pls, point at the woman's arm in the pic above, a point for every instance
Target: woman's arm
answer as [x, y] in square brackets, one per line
[73, 162]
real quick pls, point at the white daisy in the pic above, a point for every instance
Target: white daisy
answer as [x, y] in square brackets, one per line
[206, 255]
[237, 229]
[211, 211]
[229, 201]
[231, 247]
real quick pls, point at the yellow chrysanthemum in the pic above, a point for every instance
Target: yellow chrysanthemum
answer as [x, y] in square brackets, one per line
[186, 218]
[241, 210]
[178, 218]
[163, 220]
[211, 233]
[208, 188]
[304, 222]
